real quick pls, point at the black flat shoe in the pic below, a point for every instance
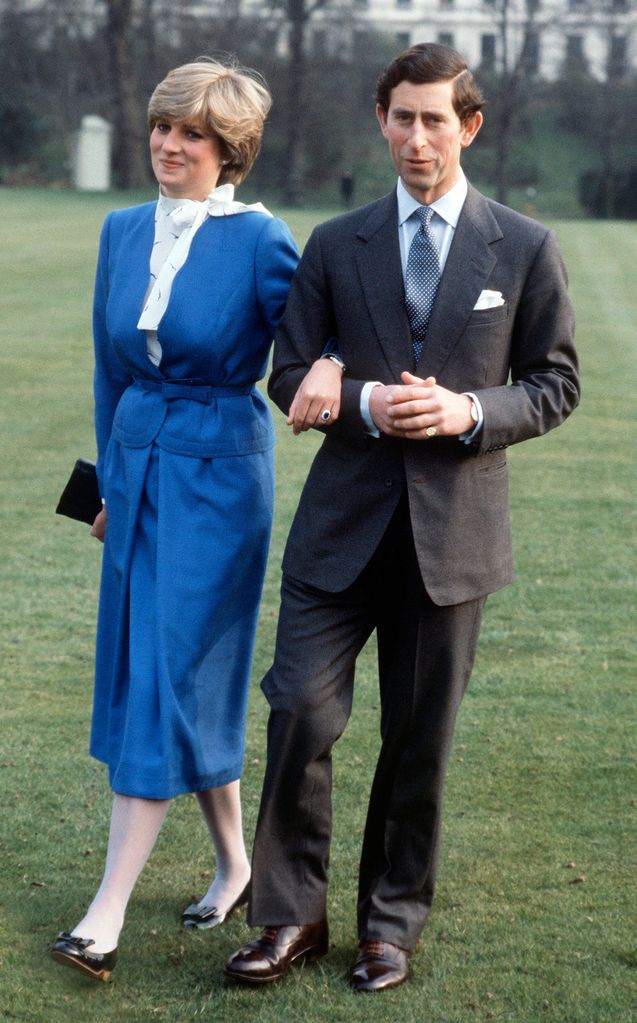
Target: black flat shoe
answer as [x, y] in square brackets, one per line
[204, 917]
[71, 951]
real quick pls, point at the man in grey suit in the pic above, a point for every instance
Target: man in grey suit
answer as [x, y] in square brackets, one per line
[456, 339]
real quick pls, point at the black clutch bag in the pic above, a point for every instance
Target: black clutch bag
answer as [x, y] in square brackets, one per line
[80, 498]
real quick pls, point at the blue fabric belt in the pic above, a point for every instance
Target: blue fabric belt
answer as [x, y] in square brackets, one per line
[193, 390]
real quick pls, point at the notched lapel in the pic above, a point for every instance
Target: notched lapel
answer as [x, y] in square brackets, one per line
[469, 264]
[380, 275]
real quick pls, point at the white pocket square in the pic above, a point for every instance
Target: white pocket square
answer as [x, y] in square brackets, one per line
[489, 300]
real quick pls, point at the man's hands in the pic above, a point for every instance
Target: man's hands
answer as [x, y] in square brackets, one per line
[415, 406]
[319, 391]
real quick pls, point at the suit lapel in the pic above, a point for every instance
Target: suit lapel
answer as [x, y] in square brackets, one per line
[468, 267]
[380, 274]
[469, 264]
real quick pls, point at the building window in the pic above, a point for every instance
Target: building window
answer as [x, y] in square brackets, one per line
[402, 40]
[620, 5]
[575, 5]
[487, 51]
[361, 4]
[403, 3]
[446, 39]
[617, 57]
[446, 3]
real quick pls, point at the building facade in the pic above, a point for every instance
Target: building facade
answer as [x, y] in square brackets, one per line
[599, 36]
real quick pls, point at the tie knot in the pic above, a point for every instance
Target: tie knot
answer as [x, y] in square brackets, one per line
[424, 214]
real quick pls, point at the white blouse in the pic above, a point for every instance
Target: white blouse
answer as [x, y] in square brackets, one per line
[176, 223]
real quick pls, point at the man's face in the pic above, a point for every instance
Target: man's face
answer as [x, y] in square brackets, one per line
[426, 137]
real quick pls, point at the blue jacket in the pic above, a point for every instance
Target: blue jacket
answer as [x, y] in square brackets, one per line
[224, 306]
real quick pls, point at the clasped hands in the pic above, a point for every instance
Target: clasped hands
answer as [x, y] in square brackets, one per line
[420, 409]
[398, 410]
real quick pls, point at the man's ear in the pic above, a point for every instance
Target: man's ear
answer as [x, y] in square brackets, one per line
[381, 114]
[470, 129]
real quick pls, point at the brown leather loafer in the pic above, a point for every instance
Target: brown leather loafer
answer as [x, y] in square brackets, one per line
[379, 966]
[270, 956]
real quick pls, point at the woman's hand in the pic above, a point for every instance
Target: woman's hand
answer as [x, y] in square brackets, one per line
[319, 392]
[98, 528]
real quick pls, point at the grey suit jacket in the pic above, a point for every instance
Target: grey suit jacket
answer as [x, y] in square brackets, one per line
[519, 358]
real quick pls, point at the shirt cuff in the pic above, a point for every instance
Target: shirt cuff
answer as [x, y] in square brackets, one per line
[370, 425]
[469, 435]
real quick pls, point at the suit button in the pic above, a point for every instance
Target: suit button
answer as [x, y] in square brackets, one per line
[389, 482]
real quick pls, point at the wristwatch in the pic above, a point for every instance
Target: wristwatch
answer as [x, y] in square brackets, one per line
[474, 412]
[333, 357]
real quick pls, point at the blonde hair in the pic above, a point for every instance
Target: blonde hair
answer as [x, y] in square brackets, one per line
[228, 101]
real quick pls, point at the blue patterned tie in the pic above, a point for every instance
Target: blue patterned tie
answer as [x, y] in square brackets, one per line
[422, 278]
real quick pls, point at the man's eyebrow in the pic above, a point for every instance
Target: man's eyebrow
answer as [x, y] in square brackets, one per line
[433, 112]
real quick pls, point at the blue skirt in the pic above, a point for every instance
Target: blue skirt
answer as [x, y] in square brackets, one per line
[182, 574]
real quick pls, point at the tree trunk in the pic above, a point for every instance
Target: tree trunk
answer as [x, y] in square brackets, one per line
[608, 147]
[513, 96]
[294, 155]
[129, 162]
[503, 147]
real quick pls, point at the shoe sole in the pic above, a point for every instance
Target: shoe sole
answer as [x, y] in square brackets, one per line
[77, 964]
[369, 989]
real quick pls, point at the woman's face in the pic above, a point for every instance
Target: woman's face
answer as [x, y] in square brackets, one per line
[186, 160]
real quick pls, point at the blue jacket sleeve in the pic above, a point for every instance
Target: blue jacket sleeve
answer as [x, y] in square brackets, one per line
[110, 379]
[276, 260]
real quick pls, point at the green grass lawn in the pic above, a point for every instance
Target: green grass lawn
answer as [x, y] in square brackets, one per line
[535, 917]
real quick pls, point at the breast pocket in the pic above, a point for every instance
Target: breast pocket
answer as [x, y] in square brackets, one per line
[496, 316]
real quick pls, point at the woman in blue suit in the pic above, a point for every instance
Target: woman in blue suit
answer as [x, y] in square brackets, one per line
[185, 466]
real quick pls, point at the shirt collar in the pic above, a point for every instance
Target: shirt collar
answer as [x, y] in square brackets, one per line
[448, 206]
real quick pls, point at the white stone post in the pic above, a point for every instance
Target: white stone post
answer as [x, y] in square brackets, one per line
[92, 170]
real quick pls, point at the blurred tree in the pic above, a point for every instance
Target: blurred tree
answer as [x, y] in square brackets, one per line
[18, 121]
[297, 15]
[130, 162]
[603, 114]
[508, 82]
[511, 82]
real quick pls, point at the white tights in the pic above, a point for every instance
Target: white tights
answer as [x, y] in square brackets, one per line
[135, 825]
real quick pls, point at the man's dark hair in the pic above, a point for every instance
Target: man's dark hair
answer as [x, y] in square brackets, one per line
[432, 62]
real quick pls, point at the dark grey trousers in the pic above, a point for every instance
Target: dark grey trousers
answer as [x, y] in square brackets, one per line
[425, 657]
